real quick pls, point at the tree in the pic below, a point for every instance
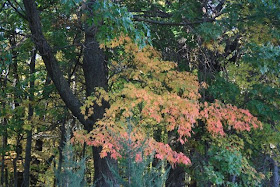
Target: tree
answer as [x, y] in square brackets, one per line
[71, 172]
[153, 97]
[232, 46]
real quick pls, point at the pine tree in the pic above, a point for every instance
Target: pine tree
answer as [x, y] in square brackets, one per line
[72, 171]
[134, 169]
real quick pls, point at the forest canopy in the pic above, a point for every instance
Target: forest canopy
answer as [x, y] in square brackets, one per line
[139, 93]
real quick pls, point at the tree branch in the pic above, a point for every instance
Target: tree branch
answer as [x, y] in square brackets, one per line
[51, 63]
[2, 6]
[17, 11]
[136, 18]
[150, 14]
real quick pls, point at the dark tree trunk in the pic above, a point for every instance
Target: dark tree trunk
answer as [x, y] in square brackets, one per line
[4, 145]
[94, 66]
[176, 176]
[18, 153]
[4, 141]
[95, 73]
[28, 147]
[52, 66]
[274, 180]
[16, 97]
[7, 177]
[61, 145]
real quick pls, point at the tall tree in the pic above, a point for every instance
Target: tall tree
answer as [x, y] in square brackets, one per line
[94, 72]
[28, 147]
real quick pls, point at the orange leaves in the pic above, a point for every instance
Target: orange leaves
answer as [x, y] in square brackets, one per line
[217, 114]
[155, 95]
[116, 42]
[164, 151]
[168, 108]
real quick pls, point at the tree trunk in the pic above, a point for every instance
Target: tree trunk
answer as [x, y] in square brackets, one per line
[176, 176]
[18, 152]
[52, 66]
[61, 145]
[16, 97]
[4, 145]
[95, 73]
[274, 180]
[4, 140]
[28, 147]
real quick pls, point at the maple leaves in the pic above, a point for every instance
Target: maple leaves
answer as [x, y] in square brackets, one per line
[156, 95]
[217, 114]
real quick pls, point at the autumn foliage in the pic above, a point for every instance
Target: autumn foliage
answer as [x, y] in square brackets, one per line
[149, 93]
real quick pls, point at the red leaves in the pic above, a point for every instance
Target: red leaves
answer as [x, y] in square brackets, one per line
[163, 99]
[217, 114]
[164, 151]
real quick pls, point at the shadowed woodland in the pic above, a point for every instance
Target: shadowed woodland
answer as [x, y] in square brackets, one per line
[133, 93]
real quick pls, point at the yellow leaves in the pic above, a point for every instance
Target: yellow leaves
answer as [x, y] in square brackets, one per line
[116, 42]
[27, 125]
[99, 96]
[84, 17]
[155, 95]
[31, 123]
[209, 45]
[214, 46]
[83, 110]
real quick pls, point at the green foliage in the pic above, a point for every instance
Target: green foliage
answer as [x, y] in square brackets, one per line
[263, 102]
[5, 56]
[224, 90]
[226, 166]
[250, 82]
[210, 31]
[115, 20]
[72, 171]
[187, 9]
[265, 57]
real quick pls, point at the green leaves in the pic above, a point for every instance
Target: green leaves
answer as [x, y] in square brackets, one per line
[5, 56]
[210, 31]
[224, 90]
[225, 163]
[114, 20]
[265, 57]
[264, 101]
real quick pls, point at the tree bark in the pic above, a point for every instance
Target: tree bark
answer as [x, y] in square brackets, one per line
[274, 181]
[52, 66]
[28, 147]
[94, 72]
[18, 116]
[18, 152]
[4, 145]
[176, 176]
[4, 140]
[61, 145]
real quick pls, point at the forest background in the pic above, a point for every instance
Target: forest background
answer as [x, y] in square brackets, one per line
[139, 93]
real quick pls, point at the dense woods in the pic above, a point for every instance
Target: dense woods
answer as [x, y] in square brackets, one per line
[139, 93]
